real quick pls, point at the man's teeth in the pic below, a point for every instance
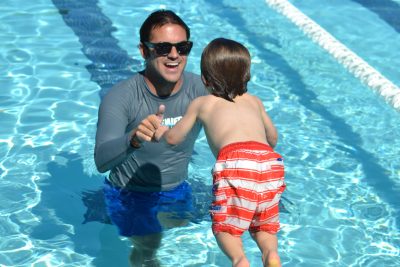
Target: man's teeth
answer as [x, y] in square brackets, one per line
[172, 64]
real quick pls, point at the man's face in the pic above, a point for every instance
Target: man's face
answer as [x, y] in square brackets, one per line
[167, 67]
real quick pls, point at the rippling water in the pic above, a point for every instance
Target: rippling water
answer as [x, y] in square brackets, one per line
[338, 138]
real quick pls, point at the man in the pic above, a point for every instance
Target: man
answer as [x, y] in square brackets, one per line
[146, 189]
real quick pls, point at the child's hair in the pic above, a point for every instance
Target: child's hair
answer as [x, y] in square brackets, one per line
[225, 66]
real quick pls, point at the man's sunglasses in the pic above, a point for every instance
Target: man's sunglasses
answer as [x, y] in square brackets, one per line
[163, 49]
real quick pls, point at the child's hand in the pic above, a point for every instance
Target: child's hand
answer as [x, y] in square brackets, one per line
[160, 132]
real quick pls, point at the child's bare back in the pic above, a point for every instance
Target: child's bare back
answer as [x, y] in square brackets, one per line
[227, 122]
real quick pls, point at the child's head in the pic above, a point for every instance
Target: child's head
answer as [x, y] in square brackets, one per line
[225, 67]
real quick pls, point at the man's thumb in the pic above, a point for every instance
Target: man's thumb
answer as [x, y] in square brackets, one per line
[160, 112]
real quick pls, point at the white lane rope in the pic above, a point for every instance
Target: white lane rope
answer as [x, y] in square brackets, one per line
[353, 63]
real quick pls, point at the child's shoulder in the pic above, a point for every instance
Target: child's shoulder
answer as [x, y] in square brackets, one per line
[202, 101]
[206, 98]
[251, 97]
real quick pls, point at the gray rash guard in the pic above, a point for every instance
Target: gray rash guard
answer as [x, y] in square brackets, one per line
[154, 166]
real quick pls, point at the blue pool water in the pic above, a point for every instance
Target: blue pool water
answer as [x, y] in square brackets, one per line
[338, 137]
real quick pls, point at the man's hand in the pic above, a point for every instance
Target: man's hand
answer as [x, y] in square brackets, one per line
[148, 126]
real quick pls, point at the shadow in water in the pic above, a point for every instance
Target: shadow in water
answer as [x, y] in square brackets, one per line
[387, 10]
[109, 62]
[72, 204]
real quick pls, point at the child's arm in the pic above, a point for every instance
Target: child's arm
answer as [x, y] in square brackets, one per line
[270, 130]
[178, 133]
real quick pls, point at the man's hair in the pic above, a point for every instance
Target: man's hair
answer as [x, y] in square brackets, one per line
[158, 19]
[225, 66]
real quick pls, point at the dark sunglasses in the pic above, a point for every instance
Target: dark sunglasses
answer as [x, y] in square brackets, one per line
[163, 49]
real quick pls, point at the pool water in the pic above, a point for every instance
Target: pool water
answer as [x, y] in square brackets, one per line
[338, 137]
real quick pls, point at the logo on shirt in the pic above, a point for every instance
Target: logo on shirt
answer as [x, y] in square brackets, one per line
[171, 121]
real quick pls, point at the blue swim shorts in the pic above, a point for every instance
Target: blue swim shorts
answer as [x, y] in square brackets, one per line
[135, 212]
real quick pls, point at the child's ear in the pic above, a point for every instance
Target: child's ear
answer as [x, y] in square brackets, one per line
[204, 80]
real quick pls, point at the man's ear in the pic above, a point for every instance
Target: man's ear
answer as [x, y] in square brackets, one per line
[144, 51]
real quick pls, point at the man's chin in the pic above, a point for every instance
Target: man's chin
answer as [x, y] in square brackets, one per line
[172, 78]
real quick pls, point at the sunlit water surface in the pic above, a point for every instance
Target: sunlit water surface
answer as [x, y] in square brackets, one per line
[339, 139]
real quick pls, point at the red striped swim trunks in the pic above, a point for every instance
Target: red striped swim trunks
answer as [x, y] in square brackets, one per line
[248, 180]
